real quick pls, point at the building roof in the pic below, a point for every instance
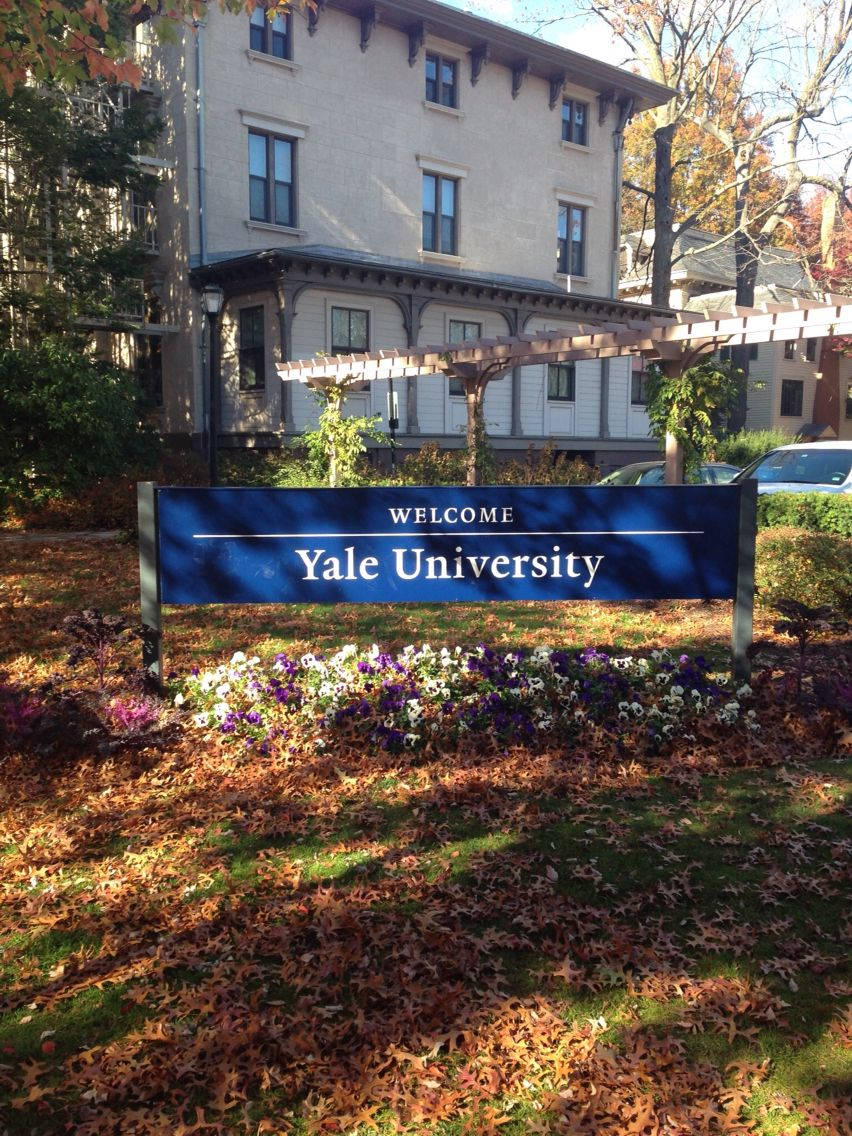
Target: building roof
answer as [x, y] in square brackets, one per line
[707, 260]
[508, 47]
[241, 270]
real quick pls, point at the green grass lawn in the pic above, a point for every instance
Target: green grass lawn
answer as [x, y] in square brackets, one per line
[489, 940]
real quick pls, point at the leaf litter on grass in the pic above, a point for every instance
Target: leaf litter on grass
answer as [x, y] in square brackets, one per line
[487, 940]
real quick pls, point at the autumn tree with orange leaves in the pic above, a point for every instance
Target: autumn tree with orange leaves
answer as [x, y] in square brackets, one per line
[68, 41]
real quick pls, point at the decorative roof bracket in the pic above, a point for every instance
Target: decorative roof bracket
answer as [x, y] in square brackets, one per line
[314, 11]
[605, 101]
[416, 39]
[557, 82]
[520, 71]
[368, 22]
[479, 56]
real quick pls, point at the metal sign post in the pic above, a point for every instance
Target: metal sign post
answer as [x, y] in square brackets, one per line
[149, 581]
[743, 626]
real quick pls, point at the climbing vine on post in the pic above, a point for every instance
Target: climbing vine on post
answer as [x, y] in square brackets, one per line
[337, 443]
[692, 406]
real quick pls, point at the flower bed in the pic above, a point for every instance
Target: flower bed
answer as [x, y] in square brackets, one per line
[423, 696]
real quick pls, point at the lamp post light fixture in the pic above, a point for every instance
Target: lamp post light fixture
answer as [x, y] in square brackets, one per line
[213, 298]
[393, 422]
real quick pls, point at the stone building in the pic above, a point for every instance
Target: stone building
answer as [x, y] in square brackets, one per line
[395, 174]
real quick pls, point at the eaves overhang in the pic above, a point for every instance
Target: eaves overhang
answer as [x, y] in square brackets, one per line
[508, 47]
[324, 265]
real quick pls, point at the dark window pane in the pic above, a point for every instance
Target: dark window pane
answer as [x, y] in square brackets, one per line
[849, 400]
[448, 83]
[283, 204]
[429, 232]
[791, 398]
[257, 29]
[358, 330]
[790, 349]
[350, 330]
[448, 234]
[579, 133]
[257, 196]
[566, 121]
[251, 350]
[432, 78]
[639, 388]
[339, 327]
[460, 330]
[811, 350]
[560, 381]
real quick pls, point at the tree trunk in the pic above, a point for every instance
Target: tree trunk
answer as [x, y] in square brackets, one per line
[661, 271]
[746, 257]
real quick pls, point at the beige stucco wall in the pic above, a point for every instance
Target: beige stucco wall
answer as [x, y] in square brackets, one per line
[365, 134]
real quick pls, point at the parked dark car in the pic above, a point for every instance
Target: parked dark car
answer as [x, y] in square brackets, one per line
[654, 473]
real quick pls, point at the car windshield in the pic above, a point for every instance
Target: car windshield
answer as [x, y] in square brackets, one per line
[626, 476]
[806, 467]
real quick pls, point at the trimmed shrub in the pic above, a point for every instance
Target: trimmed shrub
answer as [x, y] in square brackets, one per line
[547, 466]
[287, 468]
[743, 447]
[432, 466]
[825, 512]
[813, 568]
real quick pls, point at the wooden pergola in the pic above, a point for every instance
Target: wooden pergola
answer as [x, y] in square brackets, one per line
[676, 342]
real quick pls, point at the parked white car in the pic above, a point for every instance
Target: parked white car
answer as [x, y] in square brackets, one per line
[805, 467]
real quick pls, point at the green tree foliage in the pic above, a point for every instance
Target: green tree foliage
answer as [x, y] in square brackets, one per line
[70, 257]
[336, 445]
[692, 405]
[65, 419]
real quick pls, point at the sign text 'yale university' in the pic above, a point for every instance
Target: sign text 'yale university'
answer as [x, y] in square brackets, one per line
[446, 544]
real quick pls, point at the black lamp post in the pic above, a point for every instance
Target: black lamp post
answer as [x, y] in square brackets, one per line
[213, 298]
[393, 422]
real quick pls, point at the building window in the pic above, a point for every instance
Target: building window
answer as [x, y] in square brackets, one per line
[441, 85]
[639, 388]
[271, 180]
[790, 349]
[725, 353]
[459, 331]
[271, 37]
[791, 398]
[575, 122]
[350, 331]
[849, 400]
[811, 350]
[149, 368]
[439, 213]
[560, 381]
[571, 240]
[251, 351]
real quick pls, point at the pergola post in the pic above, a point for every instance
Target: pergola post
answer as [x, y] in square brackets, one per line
[474, 388]
[674, 461]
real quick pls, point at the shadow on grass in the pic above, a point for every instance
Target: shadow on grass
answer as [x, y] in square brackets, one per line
[422, 942]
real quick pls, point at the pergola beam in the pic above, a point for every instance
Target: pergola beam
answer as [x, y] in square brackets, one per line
[664, 338]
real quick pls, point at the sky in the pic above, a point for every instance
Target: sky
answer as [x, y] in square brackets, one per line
[590, 36]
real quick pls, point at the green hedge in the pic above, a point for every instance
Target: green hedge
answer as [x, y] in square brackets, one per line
[742, 448]
[799, 564]
[823, 512]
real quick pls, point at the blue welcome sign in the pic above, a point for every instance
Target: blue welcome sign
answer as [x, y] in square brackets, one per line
[420, 544]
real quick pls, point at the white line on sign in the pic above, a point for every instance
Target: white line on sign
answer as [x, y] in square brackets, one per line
[451, 533]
